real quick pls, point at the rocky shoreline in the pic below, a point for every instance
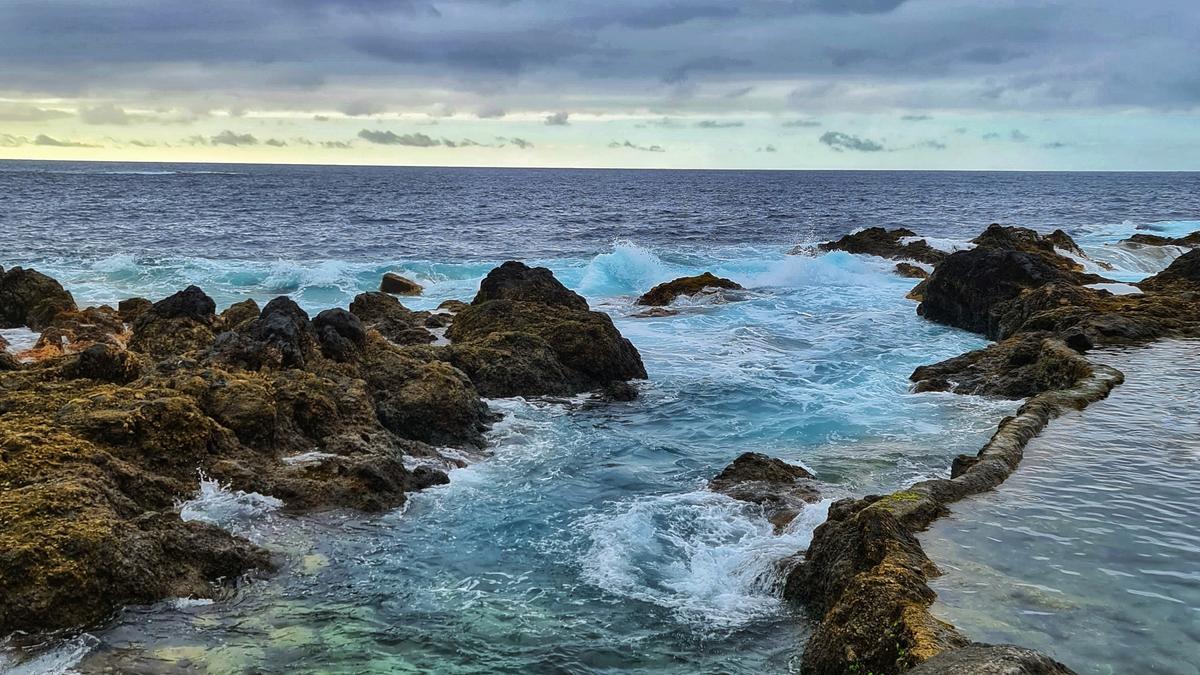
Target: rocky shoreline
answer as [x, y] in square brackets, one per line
[106, 422]
[864, 577]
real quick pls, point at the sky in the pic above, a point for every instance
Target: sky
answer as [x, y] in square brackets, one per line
[788, 84]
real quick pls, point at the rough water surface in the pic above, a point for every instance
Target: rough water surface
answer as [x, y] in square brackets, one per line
[586, 542]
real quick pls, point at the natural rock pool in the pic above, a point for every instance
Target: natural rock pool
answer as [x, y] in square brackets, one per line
[1090, 552]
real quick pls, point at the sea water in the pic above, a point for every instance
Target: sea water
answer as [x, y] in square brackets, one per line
[586, 541]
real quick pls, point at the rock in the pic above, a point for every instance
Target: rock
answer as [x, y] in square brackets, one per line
[1018, 367]
[239, 313]
[521, 348]
[981, 659]
[781, 489]
[394, 283]
[452, 306]
[884, 243]
[665, 293]
[1008, 238]
[517, 281]
[30, 298]
[175, 325]
[911, 271]
[420, 398]
[341, 334]
[1191, 240]
[655, 313]
[618, 392]
[106, 363]
[190, 303]
[393, 320]
[967, 286]
[281, 337]
[75, 330]
[1183, 274]
[130, 309]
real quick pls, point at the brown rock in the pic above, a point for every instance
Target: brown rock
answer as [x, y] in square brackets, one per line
[884, 243]
[911, 271]
[398, 285]
[30, 298]
[781, 489]
[665, 293]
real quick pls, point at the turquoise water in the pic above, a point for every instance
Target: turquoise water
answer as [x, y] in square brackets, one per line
[586, 542]
[1091, 550]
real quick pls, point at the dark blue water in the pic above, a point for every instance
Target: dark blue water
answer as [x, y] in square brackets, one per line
[585, 542]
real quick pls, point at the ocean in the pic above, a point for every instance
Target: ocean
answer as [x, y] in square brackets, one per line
[585, 542]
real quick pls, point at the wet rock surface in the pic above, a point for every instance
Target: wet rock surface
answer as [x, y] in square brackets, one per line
[911, 271]
[980, 659]
[30, 298]
[97, 446]
[886, 243]
[1018, 367]
[393, 320]
[1183, 274]
[1191, 240]
[525, 334]
[781, 489]
[398, 285]
[666, 293]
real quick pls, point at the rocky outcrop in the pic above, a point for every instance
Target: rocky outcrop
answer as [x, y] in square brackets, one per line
[130, 309]
[30, 298]
[393, 320]
[781, 489]
[966, 289]
[666, 293]
[97, 447]
[885, 243]
[398, 285]
[239, 313]
[525, 334]
[1019, 367]
[1183, 275]
[865, 575]
[76, 330]
[1191, 240]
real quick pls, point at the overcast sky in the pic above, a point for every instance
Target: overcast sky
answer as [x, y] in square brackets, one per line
[971, 84]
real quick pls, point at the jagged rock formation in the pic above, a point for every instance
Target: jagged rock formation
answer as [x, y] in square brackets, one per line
[666, 293]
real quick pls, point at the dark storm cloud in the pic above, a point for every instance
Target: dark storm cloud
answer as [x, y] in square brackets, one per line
[841, 54]
[417, 140]
[632, 146]
[840, 141]
[558, 119]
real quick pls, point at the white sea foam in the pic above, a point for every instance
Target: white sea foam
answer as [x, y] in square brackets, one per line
[19, 339]
[59, 660]
[712, 561]
[629, 268]
[219, 505]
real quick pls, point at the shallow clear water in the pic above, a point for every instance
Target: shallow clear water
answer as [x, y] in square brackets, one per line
[1091, 550]
[586, 542]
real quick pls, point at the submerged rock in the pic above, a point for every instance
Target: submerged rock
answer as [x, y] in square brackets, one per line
[981, 659]
[885, 243]
[665, 293]
[526, 334]
[394, 283]
[781, 489]
[911, 271]
[30, 298]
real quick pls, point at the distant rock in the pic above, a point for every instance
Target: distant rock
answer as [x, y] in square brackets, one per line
[1191, 240]
[781, 489]
[911, 271]
[30, 298]
[885, 243]
[452, 306]
[665, 293]
[398, 285]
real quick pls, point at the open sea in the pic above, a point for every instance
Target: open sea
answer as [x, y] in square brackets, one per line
[586, 542]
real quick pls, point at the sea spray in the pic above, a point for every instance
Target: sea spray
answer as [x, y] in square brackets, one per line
[234, 510]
